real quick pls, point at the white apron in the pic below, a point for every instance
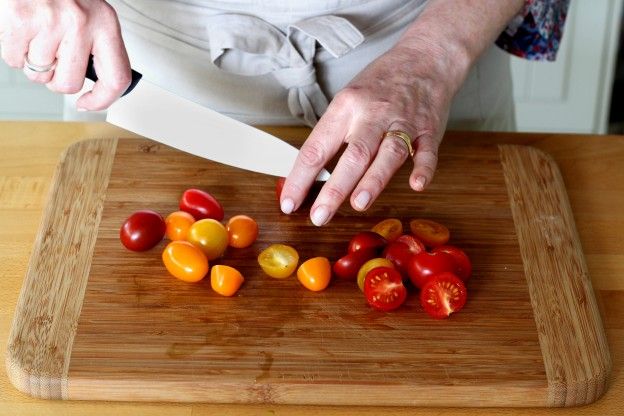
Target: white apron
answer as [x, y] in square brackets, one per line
[276, 62]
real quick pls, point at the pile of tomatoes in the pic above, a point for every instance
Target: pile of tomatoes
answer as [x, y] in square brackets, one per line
[197, 237]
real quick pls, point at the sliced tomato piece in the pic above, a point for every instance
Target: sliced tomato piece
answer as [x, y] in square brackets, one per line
[390, 228]
[279, 260]
[431, 233]
[225, 280]
[384, 289]
[370, 265]
[443, 295]
[463, 266]
[414, 244]
[315, 273]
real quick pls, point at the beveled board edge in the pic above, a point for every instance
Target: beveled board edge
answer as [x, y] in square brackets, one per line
[50, 301]
[570, 330]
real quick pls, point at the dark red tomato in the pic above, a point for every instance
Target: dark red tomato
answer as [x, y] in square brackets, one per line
[366, 240]
[279, 185]
[443, 295]
[399, 254]
[347, 266]
[201, 205]
[463, 266]
[424, 265]
[414, 244]
[142, 230]
[383, 288]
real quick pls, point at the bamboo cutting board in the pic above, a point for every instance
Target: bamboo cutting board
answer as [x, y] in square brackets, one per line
[96, 321]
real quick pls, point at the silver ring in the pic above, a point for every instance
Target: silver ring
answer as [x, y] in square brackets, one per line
[38, 68]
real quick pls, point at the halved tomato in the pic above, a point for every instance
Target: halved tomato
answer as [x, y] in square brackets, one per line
[279, 260]
[431, 233]
[383, 288]
[225, 280]
[443, 295]
[390, 228]
[370, 265]
[315, 273]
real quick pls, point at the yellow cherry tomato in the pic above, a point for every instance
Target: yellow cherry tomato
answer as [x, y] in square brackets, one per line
[242, 231]
[178, 225]
[315, 273]
[390, 228]
[185, 261]
[210, 236]
[370, 265]
[279, 260]
[225, 280]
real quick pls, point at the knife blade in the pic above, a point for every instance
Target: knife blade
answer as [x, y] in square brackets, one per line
[153, 112]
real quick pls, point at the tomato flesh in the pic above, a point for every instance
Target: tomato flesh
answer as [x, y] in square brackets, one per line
[279, 260]
[201, 204]
[370, 265]
[384, 289]
[443, 295]
[424, 265]
[431, 233]
[142, 230]
[390, 228]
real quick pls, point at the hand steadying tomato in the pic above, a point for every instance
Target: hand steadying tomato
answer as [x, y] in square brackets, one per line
[463, 266]
[366, 240]
[383, 288]
[443, 295]
[348, 265]
[315, 274]
[424, 265]
[201, 204]
[142, 230]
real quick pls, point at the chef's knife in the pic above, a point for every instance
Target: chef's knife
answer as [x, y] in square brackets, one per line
[155, 113]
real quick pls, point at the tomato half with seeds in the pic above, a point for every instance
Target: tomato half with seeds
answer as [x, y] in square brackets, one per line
[431, 233]
[384, 289]
[225, 280]
[242, 231]
[314, 274]
[200, 204]
[463, 266]
[370, 265]
[178, 225]
[279, 260]
[185, 261]
[443, 295]
[210, 236]
[366, 240]
[390, 228]
[348, 265]
[424, 265]
[142, 230]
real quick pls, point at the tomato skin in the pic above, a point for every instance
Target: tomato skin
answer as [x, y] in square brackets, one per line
[347, 266]
[210, 236]
[390, 228]
[279, 185]
[242, 231]
[315, 273]
[201, 204]
[366, 240]
[185, 261]
[370, 265]
[225, 280]
[383, 289]
[443, 295]
[431, 233]
[279, 260]
[142, 230]
[463, 266]
[178, 225]
[414, 244]
[424, 265]
[399, 254]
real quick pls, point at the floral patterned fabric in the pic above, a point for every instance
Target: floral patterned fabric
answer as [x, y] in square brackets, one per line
[535, 33]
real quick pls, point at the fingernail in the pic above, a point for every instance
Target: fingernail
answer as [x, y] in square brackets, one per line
[361, 201]
[320, 215]
[287, 206]
[81, 109]
[420, 183]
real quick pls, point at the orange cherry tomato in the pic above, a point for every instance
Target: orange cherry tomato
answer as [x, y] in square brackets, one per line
[178, 225]
[370, 265]
[242, 231]
[209, 235]
[390, 229]
[185, 261]
[431, 233]
[315, 273]
[225, 280]
[279, 260]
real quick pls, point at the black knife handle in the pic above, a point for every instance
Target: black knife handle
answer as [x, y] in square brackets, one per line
[90, 74]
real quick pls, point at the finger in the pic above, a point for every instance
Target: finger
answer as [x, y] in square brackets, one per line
[321, 145]
[73, 56]
[14, 48]
[425, 162]
[42, 51]
[363, 142]
[390, 157]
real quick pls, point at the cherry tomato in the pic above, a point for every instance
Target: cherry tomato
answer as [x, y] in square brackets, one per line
[279, 260]
[463, 266]
[431, 233]
[242, 231]
[390, 228]
[414, 244]
[178, 225]
[348, 265]
[366, 240]
[185, 261]
[370, 265]
[399, 254]
[201, 204]
[142, 230]
[443, 295]
[314, 274]
[383, 288]
[424, 265]
[225, 280]
[209, 235]
[279, 185]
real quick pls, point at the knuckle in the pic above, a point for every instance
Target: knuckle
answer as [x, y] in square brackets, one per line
[376, 181]
[357, 153]
[347, 97]
[312, 155]
[335, 194]
[395, 147]
[65, 87]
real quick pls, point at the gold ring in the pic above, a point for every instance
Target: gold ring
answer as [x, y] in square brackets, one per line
[403, 136]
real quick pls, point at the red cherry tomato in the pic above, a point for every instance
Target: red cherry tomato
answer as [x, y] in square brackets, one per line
[424, 265]
[399, 254]
[201, 205]
[383, 288]
[443, 295]
[347, 266]
[431, 233]
[142, 230]
[463, 266]
[366, 240]
[414, 244]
